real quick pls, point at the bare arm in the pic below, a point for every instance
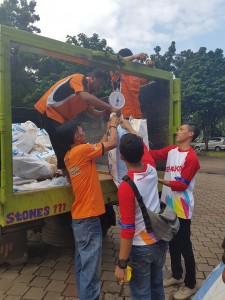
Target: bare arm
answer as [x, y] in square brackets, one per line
[112, 141]
[140, 56]
[96, 113]
[126, 125]
[164, 181]
[105, 136]
[92, 100]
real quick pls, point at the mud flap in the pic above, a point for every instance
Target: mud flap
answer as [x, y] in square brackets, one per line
[13, 248]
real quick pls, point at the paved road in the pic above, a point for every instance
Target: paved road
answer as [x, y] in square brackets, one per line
[212, 165]
[49, 274]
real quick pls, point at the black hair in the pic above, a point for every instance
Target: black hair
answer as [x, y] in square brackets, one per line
[131, 147]
[66, 132]
[194, 128]
[99, 74]
[125, 52]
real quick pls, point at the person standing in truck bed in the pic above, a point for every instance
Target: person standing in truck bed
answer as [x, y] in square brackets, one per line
[129, 85]
[65, 100]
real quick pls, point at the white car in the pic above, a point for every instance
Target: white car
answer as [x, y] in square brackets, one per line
[214, 143]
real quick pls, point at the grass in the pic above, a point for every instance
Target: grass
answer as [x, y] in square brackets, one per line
[216, 154]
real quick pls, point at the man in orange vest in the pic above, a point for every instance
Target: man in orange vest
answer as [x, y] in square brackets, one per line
[130, 85]
[65, 100]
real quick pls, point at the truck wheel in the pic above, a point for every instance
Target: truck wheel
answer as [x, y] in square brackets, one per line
[57, 231]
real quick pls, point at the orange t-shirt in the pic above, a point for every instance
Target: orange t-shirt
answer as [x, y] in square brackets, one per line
[85, 183]
[62, 101]
[130, 88]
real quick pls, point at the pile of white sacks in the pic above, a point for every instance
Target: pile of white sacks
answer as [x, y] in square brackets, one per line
[33, 158]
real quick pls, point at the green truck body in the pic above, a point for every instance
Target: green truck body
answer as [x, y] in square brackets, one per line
[160, 105]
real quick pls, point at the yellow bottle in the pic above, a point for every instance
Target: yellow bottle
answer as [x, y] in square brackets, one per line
[129, 273]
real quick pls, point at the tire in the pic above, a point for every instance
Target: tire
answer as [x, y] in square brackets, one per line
[197, 149]
[217, 149]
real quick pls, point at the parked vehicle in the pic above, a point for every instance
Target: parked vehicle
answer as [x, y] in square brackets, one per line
[49, 209]
[214, 143]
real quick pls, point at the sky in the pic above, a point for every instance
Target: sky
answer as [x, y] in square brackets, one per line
[139, 25]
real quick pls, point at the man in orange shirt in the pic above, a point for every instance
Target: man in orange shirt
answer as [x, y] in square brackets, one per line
[88, 204]
[130, 85]
[65, 100]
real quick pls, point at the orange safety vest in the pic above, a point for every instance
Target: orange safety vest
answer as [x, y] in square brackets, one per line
[62, 101]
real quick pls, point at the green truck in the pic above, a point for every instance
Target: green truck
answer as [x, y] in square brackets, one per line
[49, 209]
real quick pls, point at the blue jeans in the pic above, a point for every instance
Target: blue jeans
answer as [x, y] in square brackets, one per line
[147, 271]
[88, 256]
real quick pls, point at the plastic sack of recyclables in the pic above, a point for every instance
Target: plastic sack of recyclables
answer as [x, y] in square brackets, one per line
[45, 184]
[31, 167]
[117, 167]
[140, 126]
[24, 136]
[43, 138]
[213, 288]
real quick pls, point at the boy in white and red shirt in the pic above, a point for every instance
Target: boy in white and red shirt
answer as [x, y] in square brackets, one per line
[181, 167]
[147, 253]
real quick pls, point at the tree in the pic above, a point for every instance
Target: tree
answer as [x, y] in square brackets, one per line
[166, 61]
[92, 42]
[20, 15]
[202, 76]
[203, 87]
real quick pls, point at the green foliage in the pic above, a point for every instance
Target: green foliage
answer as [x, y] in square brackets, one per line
[19, 14]
[166, 61]
[202, 76]
[203, 87]
[92, 42]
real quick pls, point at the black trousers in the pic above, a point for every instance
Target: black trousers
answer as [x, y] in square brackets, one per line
[181, 245]
[60, 149]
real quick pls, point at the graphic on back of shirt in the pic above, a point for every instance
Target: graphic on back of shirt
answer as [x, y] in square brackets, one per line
[182, 202]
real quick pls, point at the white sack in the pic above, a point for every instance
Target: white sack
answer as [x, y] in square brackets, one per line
[30, 167]
[117, 167]
[24, 136]
[140, 126]
[43, 138]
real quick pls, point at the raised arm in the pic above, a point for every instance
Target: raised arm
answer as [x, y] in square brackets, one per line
[112, 141]
[126, 125]
[140, 56]
[92, 100]
[96, 113]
